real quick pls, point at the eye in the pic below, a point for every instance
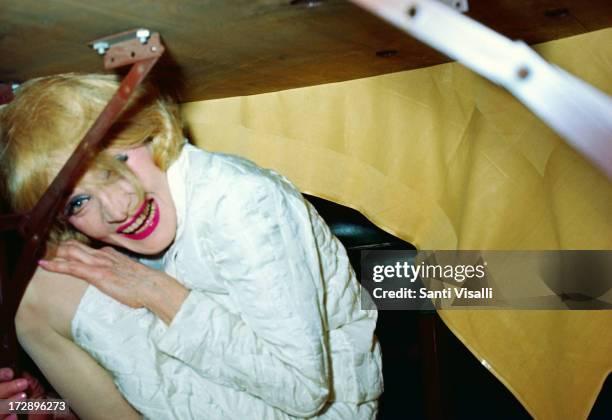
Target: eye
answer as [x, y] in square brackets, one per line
[75, 204]
[122, 157]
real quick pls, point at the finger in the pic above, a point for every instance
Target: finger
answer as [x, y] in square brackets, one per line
[74, 252]
[6, 374]
[13, 387]
[80, 245]
[113, 253]
[85, 248]
[123, 262]
[35, 388]
[92, 275]
[19, 396]
[74, 244]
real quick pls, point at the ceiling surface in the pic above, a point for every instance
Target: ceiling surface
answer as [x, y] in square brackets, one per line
[220, 48]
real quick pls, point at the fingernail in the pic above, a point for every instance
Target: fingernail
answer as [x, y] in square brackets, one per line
[42, 262]
[6, 374]
[21, 396]
[22, 383]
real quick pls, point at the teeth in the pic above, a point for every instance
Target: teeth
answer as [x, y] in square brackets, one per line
[139, 224]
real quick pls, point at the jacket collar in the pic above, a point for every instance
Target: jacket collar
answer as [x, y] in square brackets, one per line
[177, 177]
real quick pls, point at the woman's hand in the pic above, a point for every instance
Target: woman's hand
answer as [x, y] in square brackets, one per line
[114, 274]
[19, 389]
[120, 277]
[12, 389]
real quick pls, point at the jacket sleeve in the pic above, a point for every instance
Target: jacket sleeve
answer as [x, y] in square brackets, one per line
[273, 345]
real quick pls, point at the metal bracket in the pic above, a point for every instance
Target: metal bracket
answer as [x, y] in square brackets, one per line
[128, 47]
[101, 45]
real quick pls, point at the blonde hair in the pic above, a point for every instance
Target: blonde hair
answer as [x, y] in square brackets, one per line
[48, 117]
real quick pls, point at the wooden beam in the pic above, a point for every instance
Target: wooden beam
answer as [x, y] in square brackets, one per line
[222, 48]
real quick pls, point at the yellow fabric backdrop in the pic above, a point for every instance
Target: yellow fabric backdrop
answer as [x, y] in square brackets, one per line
[446, 160]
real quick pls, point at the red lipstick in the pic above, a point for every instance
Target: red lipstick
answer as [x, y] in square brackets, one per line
[150, 209]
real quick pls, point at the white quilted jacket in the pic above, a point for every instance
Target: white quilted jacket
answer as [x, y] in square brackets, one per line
[272, 327]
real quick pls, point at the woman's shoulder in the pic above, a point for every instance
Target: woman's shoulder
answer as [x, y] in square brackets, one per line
[235, 192]
[216, 163]
[237, 173]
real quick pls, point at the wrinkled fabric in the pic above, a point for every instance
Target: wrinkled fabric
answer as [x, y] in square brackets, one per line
[272, 326]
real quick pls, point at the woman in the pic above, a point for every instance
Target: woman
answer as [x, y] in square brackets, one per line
[255, 312]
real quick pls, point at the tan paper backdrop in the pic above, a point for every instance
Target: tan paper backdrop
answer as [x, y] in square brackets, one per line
[446, 160]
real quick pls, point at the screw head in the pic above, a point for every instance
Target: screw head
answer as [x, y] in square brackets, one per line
[100, 47]
[523, 72]
[143, 35]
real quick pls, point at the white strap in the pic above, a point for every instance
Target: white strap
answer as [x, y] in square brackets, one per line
[577, 111]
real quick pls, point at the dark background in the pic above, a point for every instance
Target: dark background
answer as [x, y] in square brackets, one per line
[428, 372]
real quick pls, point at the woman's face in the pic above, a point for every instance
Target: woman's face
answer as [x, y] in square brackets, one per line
[109, 212]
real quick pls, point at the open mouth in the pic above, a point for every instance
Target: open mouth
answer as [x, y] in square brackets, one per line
[143, 223]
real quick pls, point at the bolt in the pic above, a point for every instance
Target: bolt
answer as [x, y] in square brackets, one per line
[143, 35]
[100, 47]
